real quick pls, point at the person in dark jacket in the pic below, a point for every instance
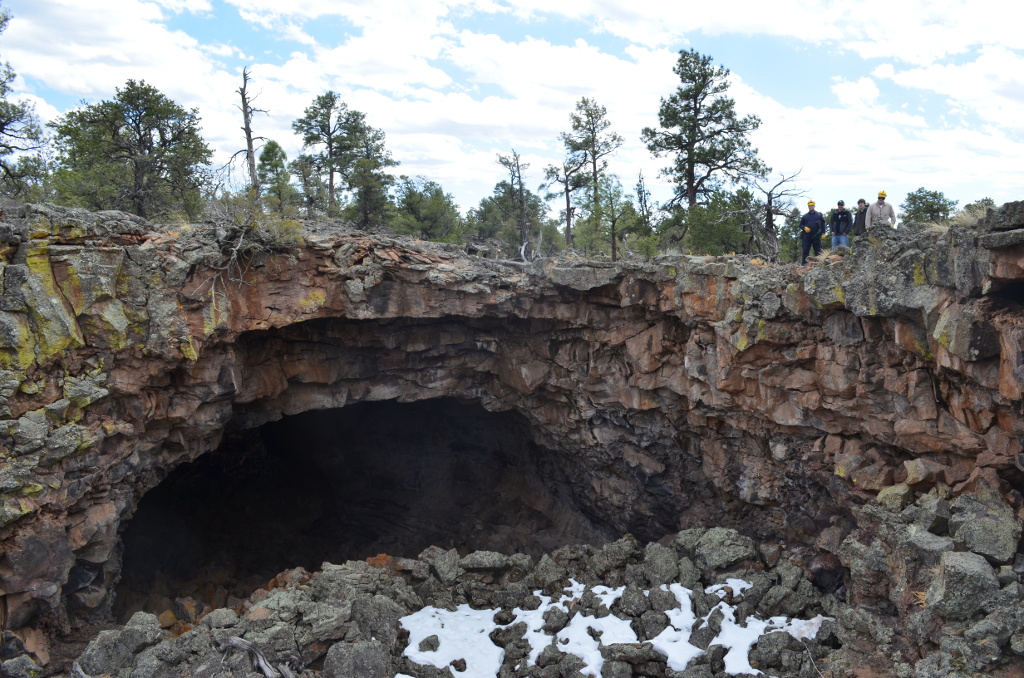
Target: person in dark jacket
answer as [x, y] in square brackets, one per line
[812, 227]
[860, 226]
[840, 226]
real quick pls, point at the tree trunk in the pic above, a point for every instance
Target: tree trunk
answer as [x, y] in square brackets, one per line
[524, 234]
[568, 215]
[330, 179]
[139, 199]
[250, 151]
[614, 254]
[771, 237]
[691, 181]
[691, 163]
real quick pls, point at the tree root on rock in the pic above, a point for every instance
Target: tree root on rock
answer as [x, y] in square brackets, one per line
[259, 660]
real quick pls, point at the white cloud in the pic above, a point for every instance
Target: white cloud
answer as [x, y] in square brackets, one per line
[991, 85]
[192, 6]
[362, 13]
[294, 33]
[89, 50]
[861, 94]
[914, 31]
[450, 96]
[852, 152]
[42, 108]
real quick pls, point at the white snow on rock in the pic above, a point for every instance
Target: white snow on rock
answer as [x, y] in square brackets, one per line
[737, 586]
[465, 633]
[674, 641]
[606, 595]
[575, 639]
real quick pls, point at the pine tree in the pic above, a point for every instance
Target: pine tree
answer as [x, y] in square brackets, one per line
[700, 128]
[274, 178]
[20, 132]
[592, 138]
[140, 152]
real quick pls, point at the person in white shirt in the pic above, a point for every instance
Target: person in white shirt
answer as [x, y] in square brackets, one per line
[881, 211]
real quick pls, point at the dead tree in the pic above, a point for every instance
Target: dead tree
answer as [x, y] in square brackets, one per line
[250, 150]
[777, 202]
[515, 170]
[568, 177]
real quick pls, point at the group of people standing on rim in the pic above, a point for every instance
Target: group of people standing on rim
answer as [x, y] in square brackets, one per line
[843, 223]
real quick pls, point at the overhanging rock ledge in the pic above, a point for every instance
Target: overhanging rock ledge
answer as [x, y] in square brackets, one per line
[682, 392]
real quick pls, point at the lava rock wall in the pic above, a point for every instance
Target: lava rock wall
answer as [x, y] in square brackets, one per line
[684, 392]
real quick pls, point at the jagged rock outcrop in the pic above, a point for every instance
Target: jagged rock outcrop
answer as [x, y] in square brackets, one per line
[683, 392]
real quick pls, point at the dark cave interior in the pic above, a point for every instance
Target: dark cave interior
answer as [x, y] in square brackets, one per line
[349, 483]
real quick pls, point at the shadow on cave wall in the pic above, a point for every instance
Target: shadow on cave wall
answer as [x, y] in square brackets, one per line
[344, 484]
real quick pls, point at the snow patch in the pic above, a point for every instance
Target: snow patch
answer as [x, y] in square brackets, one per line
[465, 633]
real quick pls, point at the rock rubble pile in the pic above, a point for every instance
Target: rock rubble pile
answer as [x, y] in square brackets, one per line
[355, 619]
[935, 585]
[926, 589]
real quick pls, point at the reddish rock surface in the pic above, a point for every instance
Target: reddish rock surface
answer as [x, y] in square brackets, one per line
[682, 392]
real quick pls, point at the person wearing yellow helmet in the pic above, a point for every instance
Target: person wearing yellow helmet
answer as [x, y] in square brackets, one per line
[812, 226]
[881, 212]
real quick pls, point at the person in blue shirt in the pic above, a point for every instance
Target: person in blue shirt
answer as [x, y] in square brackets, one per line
[840, 226]
[812, 227]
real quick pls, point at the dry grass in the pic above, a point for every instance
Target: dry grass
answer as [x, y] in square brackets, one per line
[967, 217]
[828, 257]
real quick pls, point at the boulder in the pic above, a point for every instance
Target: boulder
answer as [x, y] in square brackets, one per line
[985, 526]
[927, 548]
[633, 601]
[966, 585]
[23, 667]
[445, 564]
[929, 512]
[484, 560]
[365, 659]
[873, 477]
[105, 654]
[720, 547]
[377, 617]
[895, 497]
[661, 564]
[922, 470]
[548, 572]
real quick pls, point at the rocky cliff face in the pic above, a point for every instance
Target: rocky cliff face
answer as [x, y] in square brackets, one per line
[834, 406]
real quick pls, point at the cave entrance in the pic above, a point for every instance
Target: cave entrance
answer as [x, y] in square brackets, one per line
[335, 485]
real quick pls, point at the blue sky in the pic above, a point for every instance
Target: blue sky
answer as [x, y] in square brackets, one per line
[858, 96]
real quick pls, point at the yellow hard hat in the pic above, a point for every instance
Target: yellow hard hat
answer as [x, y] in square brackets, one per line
[810, 202]
[881, 194]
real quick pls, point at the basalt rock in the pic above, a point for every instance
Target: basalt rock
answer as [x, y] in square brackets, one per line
[283, 630]
[686, 392]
